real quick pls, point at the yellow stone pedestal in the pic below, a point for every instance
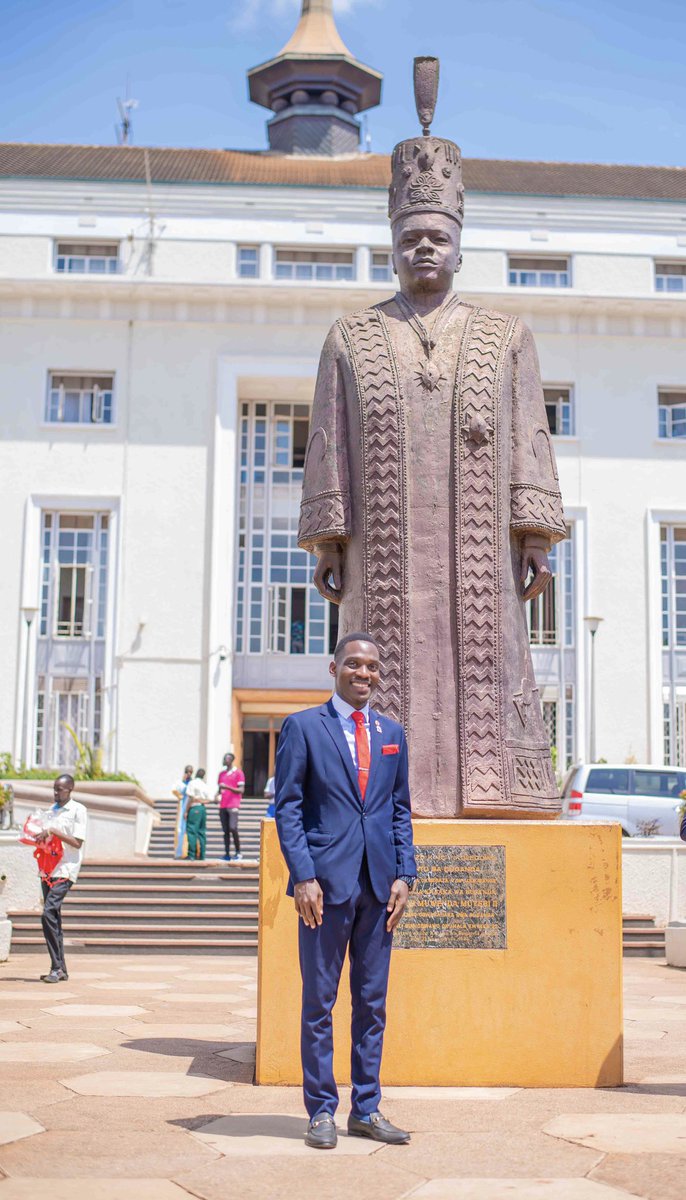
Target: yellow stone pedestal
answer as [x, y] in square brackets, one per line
[544, 1011]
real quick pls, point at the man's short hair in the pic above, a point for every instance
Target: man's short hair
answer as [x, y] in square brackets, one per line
[200, 773]
[187, 769]
[66, 778]
[353, 637]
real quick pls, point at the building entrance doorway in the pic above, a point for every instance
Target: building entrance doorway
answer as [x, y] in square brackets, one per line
[260, 739]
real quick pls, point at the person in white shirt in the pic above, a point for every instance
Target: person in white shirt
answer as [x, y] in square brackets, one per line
[197, 795]
[67, 820]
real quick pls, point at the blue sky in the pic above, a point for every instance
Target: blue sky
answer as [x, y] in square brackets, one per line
[574, 80]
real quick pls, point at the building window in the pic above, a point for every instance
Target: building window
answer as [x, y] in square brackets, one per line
[381, 267]
[278, 610]
[83, 258]
[321, 265]
[559, 410]
[538, 272]
[673, 571]
[551, 615]
[670, 277]
[248, 262]
[671, 408]
[74, 575]
[80, 399]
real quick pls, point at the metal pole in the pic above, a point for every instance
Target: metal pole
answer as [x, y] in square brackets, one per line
[592, 748]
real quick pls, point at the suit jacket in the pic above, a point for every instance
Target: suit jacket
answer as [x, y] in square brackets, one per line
[323, 826]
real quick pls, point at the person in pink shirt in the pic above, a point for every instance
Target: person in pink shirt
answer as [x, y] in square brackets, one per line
[230, 788]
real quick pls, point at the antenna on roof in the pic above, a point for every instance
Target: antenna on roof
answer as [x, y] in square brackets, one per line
[124, 130]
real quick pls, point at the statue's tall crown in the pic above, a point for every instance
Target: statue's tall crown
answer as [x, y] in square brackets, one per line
[426, 171]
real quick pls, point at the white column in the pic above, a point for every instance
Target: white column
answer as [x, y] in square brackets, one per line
[362, 262]
[219, 633]
[266, 261]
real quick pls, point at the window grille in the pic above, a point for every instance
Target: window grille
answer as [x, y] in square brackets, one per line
[551, 615]
[319, 265]
[673, 585]
[278, 610]
[84, 258]
[538, 272]
[670, 277]
[559, 410]
[381, 267]
[248, 262]
[80, 399]
[671, 409]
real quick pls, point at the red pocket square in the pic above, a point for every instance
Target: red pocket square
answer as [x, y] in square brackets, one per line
[390, 749]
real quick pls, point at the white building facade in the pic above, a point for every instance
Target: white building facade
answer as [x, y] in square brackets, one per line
[162, 317]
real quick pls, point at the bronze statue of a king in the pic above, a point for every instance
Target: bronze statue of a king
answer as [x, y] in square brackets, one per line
[431, 500]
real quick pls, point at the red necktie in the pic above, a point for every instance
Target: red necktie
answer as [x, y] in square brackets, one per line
[362, 747]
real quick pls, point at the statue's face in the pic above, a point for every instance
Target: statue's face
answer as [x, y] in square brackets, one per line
[426, 251]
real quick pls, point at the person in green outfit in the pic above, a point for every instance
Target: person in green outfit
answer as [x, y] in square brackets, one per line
[197, 795]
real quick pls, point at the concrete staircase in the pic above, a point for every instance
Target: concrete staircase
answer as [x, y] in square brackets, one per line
[641, 938]
[251, 813]
[161, 906]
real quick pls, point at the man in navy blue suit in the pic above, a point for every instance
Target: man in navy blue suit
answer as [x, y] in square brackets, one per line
[343, 819]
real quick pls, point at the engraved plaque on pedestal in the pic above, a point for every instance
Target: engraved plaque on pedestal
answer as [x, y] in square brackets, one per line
[459, 903]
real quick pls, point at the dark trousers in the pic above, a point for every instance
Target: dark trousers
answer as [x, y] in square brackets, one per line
[358, 926]
[196, 830]
[229, 820]
[51, 921]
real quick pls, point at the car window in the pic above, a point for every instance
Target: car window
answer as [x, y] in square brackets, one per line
[607, 779]
[667, 784]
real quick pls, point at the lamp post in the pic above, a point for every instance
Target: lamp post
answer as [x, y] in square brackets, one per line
[593, 625]
[28, 612]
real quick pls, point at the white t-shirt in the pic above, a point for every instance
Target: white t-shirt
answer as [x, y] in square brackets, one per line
[72, 819]
[198, 790]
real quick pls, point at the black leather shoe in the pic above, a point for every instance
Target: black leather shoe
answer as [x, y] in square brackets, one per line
[321, 1133]
[378, 1129]
[55, 977]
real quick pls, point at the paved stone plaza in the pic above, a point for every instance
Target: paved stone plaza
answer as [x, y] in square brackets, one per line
[140, 1069]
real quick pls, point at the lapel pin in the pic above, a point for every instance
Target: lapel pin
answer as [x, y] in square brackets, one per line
[378, 727]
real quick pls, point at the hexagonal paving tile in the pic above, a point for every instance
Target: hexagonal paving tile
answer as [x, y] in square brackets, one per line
[259, 1135]
[93, 1189]
[151, 1084]
[448, 1093]
[95, 1010]
[623, 1133]
[517, 1189]
[49, 1052]
[241, 1054]
[17, 1125]
[152, 1030]
[224, 998]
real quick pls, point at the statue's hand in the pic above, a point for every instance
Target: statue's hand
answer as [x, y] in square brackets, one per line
[328, 576]
[534, 558]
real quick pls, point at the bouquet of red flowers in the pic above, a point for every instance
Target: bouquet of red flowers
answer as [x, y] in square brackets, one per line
[47, 851]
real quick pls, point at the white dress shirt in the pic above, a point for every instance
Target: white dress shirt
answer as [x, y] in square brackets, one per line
[72, 819]
[345, 711]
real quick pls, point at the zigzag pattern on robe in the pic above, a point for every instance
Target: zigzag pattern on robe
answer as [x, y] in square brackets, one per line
[478, 559]
[384, 503]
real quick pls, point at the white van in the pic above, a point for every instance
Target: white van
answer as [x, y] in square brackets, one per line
[645, 800]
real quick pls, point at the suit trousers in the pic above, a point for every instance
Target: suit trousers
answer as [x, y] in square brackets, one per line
[358, 926]
[51, 921]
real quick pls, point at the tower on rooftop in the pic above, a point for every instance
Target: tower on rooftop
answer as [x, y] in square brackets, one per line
[315, 88]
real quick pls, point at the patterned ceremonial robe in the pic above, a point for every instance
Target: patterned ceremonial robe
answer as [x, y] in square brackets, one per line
[429, 489]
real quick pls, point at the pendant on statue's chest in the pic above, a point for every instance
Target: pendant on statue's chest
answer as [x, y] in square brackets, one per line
[429, 376]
